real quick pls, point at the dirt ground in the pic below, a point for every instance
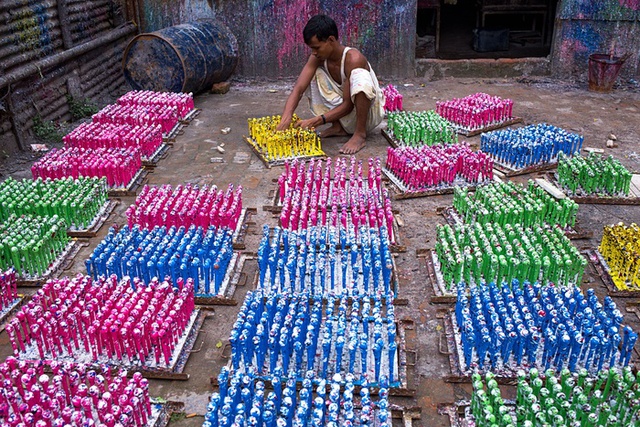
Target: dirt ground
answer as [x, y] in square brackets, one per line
[566, 105]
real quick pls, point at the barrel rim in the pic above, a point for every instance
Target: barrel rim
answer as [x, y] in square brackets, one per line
[154, 35]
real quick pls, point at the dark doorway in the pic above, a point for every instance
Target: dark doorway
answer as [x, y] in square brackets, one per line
[466, 29]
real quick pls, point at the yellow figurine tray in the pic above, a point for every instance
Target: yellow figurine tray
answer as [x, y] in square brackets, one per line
[269, 162]
[602, 269]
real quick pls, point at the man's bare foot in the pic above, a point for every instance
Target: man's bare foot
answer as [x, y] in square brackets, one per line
[353, 145]
[334, 130]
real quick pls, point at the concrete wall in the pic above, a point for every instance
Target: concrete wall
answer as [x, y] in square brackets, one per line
[584, 27]
[269, 32]
[271, 46]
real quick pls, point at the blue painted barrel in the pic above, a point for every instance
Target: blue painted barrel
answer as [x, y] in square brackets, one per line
[183, 58]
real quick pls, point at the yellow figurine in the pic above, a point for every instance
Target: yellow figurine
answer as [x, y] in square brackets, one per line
[282, 145]
[620, 247]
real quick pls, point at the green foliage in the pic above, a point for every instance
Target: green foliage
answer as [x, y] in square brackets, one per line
[177, 416]
[47, 130]
[81, 108]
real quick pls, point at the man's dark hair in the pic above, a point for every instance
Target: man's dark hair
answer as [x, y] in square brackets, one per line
[320, 26]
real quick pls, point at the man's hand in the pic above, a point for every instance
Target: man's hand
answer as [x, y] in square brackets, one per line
[284, 124]
[308, 123]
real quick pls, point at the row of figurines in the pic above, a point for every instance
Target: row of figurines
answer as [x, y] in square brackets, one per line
[78, 201]
[491, 252]
[620, 247]
[545, 326]
[392, 98]
[31, 244]
[514, 203]
[47, 393]
[118, 165]
[105, 320]
[183, 102]
[419, 128]
[476, 111]
[558, 398]
[439, 165]
[146, 138]
[593, 175]
[244, 400]
[530, 145]
[288, 332]
[323, 260]
[186, 205]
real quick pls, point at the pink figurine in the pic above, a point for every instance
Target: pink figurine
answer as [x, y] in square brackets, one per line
[107, 306]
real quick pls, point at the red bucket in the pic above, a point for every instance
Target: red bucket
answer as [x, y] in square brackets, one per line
[603, 71]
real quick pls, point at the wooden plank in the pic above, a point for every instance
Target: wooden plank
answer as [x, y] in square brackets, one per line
[130, 190]
[550, 188]
[509, 171]
[441, 296]
[593, 150]
[635, 185]
[188, 118]
[241, 229]
[11, 309]
[473, 132]
[390, 139]
[230, 282]
[161, 153]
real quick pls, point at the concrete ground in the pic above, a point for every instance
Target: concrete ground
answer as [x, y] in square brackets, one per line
[569, 106]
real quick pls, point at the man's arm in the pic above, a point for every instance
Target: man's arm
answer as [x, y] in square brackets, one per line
[304, 79]
[355, 59]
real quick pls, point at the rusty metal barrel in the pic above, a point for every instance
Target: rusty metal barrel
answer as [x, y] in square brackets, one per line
[183, 58]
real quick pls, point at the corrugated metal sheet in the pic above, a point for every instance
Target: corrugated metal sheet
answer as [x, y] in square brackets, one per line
[28, 30]
[31, 29]
[44, 97]
[89, 19]
[101, 72]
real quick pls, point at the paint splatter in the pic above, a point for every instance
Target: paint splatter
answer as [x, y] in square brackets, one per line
[294, 16]
[631, 4]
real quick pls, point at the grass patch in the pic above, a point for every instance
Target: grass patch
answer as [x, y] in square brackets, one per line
[81, 108]
[177, 416]
[47, 130]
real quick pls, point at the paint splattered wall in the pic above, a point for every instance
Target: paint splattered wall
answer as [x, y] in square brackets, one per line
[269, 32]
[584, 27]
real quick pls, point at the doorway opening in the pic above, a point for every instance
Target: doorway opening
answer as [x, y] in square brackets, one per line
[468, 29]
